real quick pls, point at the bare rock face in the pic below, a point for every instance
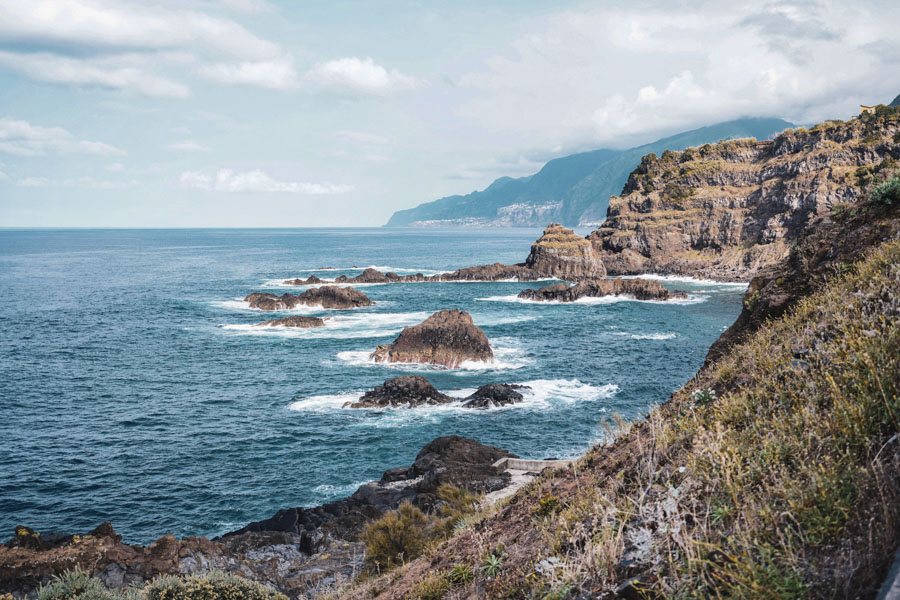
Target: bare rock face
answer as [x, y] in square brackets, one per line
[560, 253]
[296, 321]
[406, 390]
[726, 211]
[640, 289]
[327, 296]
[446, 338]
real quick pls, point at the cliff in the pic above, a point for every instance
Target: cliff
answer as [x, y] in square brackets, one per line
[725, 211]
[572, 190]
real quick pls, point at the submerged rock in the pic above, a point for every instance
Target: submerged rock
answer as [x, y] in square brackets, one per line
[641, 289]
[296, 321]
[406, 390]
[327, 296]
[446, 338]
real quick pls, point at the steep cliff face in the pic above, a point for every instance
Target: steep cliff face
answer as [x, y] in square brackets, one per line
[727, 210]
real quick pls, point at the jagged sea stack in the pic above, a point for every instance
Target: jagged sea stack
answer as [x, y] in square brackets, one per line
[446, 338]
[563, 254]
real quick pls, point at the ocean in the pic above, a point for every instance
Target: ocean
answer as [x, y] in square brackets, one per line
[135, 390]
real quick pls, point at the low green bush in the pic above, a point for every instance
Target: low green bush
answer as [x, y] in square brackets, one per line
[887, 193]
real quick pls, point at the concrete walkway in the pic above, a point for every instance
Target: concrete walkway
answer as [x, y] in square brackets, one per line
[523, 472]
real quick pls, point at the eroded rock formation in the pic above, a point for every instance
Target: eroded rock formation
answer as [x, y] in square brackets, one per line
[446, 338]
[562, 254]
[640, 289]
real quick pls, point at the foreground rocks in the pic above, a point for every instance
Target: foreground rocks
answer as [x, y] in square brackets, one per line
[299, 551]
[295, 321]
[414, 390]
[640, 289]
[327, 296]
[447, 338]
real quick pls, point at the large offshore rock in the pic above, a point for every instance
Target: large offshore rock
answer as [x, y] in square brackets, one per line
[447, 338]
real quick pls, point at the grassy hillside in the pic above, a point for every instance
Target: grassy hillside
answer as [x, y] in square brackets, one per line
[774, 473]
[574, 188]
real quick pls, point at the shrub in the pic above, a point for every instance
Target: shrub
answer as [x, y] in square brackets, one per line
[432, 587]
[75, 585]
[546, 505]
[214, 586]
[887, 193]
[461, 574]
[397, 537]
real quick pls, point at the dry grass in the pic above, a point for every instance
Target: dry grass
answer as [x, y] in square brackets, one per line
[773, 474]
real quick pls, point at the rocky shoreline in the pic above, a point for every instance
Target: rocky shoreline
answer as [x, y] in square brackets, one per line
[413, 390]
[299, 551]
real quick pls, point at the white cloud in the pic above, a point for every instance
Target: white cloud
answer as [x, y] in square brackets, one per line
[116, 167]
[90, 182]
[3, 176]
[21, 138]
[248, 6]
[613, 75]
[120, 72]
[362, 137]
[33, 182]
[226, 180]
[129, 45]
[360, 75]
[187, 146]
[276, 74]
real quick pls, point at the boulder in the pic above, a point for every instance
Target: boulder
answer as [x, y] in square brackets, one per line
[295, 321]
[563, 254]
[640, 289]
[446, 338]
[406, 390]
[495, 394]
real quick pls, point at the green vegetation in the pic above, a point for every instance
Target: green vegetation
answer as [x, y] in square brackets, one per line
[886, 193]
[216, 585]
[677, 194]
[406, 533]
[461, 574]
[492, 565]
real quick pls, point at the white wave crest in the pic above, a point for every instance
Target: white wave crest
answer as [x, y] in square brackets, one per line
[353, 326]
[505, 358]
[590, 300]
[239, 304]
[687, 279]
[647, 336]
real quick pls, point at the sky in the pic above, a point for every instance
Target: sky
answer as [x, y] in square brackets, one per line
[257, 113]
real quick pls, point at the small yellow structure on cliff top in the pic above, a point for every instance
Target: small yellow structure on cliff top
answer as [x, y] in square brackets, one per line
[866, 110]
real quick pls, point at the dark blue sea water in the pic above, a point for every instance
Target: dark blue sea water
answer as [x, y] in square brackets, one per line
[135, 389]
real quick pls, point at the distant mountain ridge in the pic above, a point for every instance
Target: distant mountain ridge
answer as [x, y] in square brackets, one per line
[572, 190]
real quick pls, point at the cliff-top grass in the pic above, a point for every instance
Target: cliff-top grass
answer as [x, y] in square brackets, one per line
[774, 473]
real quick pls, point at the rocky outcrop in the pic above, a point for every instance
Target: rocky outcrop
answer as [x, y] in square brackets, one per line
[406, 390]
[414, 390]
[493, 395]
[295, 321]
[561, 254]
[298, 551]
[639, 289]
[327, 296]
[446, 338]
[725, 211]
